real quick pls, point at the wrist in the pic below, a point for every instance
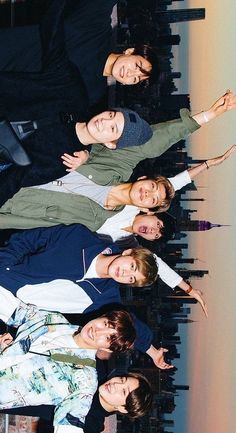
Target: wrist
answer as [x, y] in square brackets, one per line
[189, 290]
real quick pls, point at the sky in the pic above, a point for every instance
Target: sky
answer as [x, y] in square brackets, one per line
[207, 60]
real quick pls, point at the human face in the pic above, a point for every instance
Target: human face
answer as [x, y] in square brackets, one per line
[116, 390]
[123, 269]
[148, 227]
[147, 193]
[97, 333]
[128, 68]
[106, 127]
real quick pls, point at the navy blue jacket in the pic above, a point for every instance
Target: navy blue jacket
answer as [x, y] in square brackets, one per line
[62, 252]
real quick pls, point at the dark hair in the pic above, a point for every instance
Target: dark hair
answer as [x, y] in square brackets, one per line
[139, 401]
[169, 226]
[151, 56]
[122, 322]
[146, 264]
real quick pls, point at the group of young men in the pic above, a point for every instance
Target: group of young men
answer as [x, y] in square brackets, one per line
[63, 177]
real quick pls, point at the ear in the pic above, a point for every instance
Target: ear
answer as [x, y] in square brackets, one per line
[110, 145]
[127, 252]
[121, 409]
[142, 177]
[129, 51]
[103, 354]
[145, 210]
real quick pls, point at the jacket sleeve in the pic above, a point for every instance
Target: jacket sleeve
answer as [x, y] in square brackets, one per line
[54, 53]
[110, 167]
[28, 242]
[15, 312]
[144, 335]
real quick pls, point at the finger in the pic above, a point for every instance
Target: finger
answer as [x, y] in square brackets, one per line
[67, 164]
[67, 158]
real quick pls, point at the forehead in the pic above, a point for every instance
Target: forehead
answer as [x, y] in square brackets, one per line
[161, 189]
[150, 219]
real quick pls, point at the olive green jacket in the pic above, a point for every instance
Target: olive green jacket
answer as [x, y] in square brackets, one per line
[41, 208]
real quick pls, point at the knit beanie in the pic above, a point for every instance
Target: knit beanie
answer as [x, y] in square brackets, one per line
[136, 130]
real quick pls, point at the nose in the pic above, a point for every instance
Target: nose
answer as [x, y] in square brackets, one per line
[133, 71]
[105, 331]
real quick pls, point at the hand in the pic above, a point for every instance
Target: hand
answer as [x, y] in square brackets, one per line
[75, 161]
[197, 294]
[157, 356]
[219, 159]
[225, 103]
[5, 340]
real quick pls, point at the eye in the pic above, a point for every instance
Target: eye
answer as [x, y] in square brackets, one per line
[106, 323]
[153, 185]
[132, 280]
[135, 80]
[108, 338]
[111, 114]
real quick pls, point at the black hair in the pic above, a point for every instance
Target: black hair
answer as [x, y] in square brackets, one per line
[151, 56]
[169, 226]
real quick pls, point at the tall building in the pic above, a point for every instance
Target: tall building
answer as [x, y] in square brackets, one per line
[197, 225]
[179, 15]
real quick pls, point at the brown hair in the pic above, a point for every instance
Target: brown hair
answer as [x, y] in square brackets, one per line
[122, 322]
[146, 264]
[170, 193]
[139, 401]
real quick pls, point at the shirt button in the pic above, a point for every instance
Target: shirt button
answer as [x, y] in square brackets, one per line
[90, 176]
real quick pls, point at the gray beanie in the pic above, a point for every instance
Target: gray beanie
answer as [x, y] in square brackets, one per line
[136, 130]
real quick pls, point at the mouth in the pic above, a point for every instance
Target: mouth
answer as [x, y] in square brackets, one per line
[90, 333]
[117, 272]
[142, 229]
[108, 387]
[141, 194]
[122, 72]
[97, 125]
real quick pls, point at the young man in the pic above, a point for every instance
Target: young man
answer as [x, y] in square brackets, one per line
[88, 43]
[50, 362]
[85, 276]
[130, 222]
[75, 198]
[48, 116]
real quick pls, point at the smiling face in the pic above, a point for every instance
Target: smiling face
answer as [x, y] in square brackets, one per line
[147, 193]
[97, 333]
[148, 227]
[106, 127]
[124, 269]
[130, 68]
[115, 391]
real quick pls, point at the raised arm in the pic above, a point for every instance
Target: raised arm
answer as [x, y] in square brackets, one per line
[225, 103]
[111, 167]
[173, 279]
[209, 163]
